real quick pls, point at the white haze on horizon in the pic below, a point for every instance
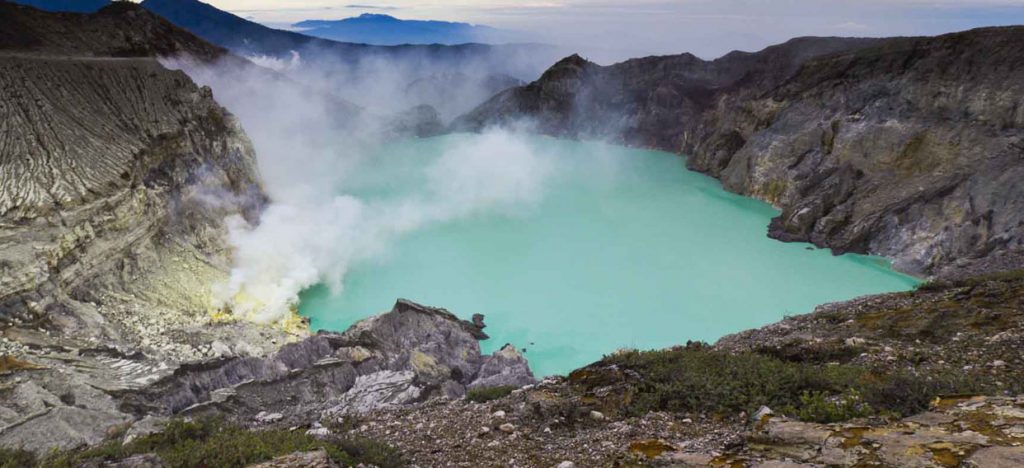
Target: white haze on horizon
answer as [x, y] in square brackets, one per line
[316, 229]
[608, 31]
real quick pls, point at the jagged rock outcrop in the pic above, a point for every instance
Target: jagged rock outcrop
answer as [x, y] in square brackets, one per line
[505, 368]
[411, 354]
[905, 147]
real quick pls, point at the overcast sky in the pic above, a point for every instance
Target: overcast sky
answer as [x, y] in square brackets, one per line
[609, 30]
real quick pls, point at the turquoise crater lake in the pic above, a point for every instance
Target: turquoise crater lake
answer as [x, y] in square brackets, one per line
[621, 248]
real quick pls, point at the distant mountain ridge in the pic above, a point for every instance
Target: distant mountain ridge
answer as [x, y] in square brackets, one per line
[140, 34]
[378, 29]
[249, 38]
[227, 30]
[241, 35]
[72, 6]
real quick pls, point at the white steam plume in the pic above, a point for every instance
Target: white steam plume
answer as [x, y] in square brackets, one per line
[302, 242]
[293, 62]
[314, 151]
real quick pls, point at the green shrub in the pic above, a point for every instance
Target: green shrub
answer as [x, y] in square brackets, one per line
[482, 395]
[700, 380]
[822, 408]
[832, 351]
[939, 285]
[904, 394]
[213, 442]
[16, 458]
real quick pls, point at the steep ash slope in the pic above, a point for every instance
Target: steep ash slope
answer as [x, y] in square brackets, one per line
[906, 147]
[116, 176]
[106, 158]
[95, 164]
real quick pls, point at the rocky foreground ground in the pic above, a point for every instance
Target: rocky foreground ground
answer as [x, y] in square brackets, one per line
[924, 378]
[945, 361]
[956, 431]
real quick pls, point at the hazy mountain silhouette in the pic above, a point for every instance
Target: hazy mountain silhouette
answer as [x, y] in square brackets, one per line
[253, 39]
[77, 6]
[381, 29]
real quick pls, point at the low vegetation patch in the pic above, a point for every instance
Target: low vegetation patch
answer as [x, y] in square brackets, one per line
[824, 408]
[696, 379]
[1003, 276]
[483, 395]
[819, 352]
[16, 458]
[213, 442]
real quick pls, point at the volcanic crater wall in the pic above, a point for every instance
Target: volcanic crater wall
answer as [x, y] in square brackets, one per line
[911, 148]
[106, 165]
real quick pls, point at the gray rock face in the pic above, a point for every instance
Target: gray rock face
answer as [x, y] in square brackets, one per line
[905, 147]
[116, 176]
[410, 354]
[505, 368]
[430, 341]
[105, 178]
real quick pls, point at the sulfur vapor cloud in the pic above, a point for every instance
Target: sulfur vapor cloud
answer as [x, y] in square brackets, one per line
[302, 241]
[315, 151]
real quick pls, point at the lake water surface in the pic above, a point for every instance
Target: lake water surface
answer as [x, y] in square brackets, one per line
[622, 248]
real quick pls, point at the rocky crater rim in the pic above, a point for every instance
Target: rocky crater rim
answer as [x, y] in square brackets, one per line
[906, 148]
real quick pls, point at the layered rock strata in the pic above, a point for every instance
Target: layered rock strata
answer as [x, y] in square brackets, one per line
[116, 178]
